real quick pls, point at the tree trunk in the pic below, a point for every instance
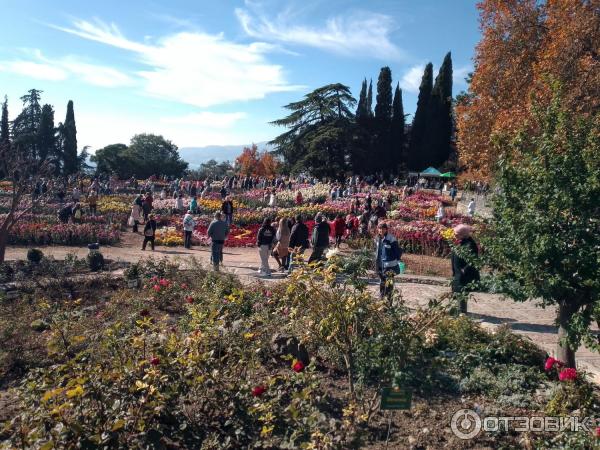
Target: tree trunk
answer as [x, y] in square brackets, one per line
[564, 352]
[3, 241]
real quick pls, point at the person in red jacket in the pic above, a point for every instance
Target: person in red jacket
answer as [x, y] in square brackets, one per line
[339, 226]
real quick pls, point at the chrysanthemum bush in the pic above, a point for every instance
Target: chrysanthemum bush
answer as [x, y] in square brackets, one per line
[188, 361]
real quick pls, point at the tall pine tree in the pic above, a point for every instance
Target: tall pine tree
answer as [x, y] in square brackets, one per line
[69, 142]
[383, 121]
[397, 134]
[416, 157]
[26, 124]
[361, 109]
[46, 139]
[4, 127]
[436, 143]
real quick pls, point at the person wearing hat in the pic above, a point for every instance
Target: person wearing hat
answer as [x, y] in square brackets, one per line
[463, 273]
[188, 227]
[387, 259]
[149, 232]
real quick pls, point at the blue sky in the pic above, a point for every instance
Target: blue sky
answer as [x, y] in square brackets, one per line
[204, 72]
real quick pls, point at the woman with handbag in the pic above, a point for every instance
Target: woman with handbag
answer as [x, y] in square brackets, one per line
[135, 218]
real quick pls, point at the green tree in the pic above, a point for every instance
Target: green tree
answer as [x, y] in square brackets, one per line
[26, 124]
[361, 109]
[46, 135]
[151, 154]
[397, 133]
[4, 125]
[437, 140]
[383, 121]
[419, 125]
[69, 142]
[320, 132]
[112, 159]
[544, 239]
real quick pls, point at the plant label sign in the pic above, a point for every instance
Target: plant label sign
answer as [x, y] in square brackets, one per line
[395, 398]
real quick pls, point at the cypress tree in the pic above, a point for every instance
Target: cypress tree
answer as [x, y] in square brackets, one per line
[383, 121]
[47, 134]
[4, 128]
[370, 99]
[439, 123]
[416, 158]
[361, 109]
[69, 141]
[398, 123]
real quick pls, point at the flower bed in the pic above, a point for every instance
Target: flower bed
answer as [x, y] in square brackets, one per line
[28, 233]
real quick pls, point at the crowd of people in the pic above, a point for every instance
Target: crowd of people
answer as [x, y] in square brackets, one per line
[285, 238]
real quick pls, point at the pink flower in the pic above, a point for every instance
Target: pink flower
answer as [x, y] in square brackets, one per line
[156, 287]
[189, 299]
[598, 432]
[257, 391]
[164, 282]
[567, 374]
[184, 286]
[298, 366]
[154, 361]
[268, 293]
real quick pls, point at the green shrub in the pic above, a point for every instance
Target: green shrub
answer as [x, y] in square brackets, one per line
[95, 261]
[34, 255]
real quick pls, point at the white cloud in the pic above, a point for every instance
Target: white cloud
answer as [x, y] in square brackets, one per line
[207, 119]
[363, 34]
[40, 71]
[459, 75]
[194, 67]
[411, 80]
[64, 68]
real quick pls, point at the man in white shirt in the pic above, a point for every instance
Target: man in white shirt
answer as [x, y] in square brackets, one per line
[471, 208]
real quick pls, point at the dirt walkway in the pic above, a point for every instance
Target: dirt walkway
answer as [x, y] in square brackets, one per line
[525, 318]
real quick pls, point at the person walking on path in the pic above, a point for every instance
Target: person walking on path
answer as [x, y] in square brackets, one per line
[149, 232]
[339, 227]
[188, 227]
[264, 241]
[463, 273]
[471, 208]
[217, 232]
[136, 217]
[298, 240]
[281, 252]
[320, 239]
[387, 258]
[227, 210]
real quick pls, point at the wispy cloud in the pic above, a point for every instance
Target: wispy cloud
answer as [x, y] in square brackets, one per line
[411, 79]
[359, 34]
[64, 68]
[459, 75]
[195, 68]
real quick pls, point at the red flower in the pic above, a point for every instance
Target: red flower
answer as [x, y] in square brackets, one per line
[298, 366]
[567, 374]
[184, 286]
[189, 299]
[154, 361]
[164, 282]
[257, 391]
[598, 432]
[552, 363]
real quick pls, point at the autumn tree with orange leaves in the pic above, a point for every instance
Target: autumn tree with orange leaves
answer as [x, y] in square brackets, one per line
[526, 47]
[254, 162]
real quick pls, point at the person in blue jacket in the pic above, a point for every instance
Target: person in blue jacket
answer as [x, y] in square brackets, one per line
[387, 257]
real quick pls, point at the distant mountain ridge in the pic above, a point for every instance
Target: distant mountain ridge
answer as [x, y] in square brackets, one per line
[195, 156]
